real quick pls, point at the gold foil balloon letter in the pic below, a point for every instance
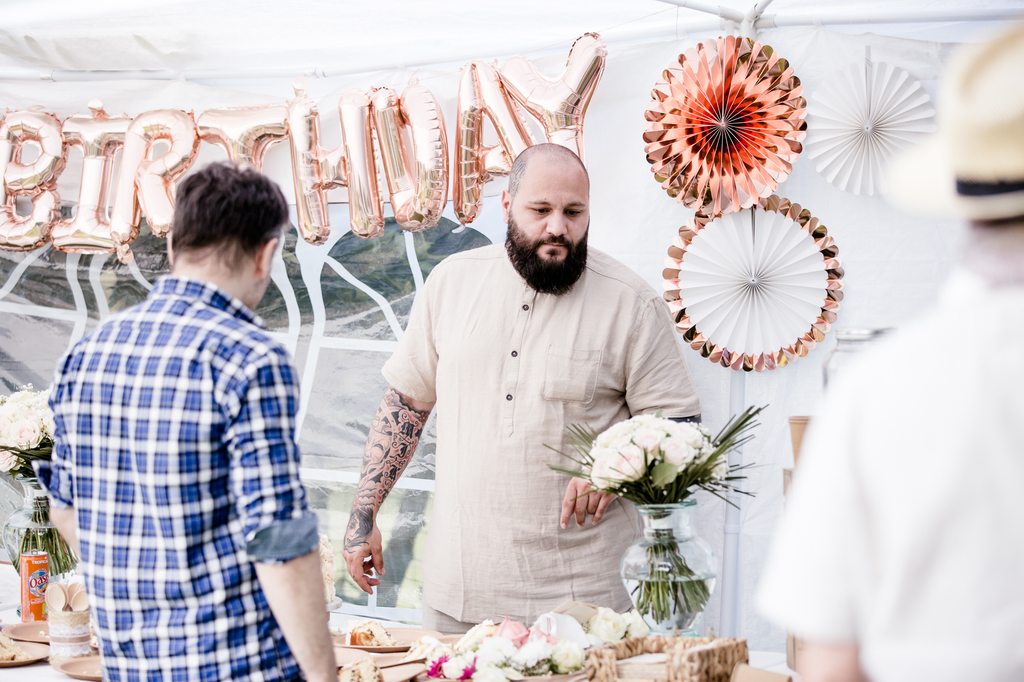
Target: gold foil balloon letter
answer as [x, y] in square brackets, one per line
[307, 172]
[366, 214]
[245, 132]
[417, 174]
[36, 180]
[481, 93]
[99, 136]
[149, 183]
[559, 103]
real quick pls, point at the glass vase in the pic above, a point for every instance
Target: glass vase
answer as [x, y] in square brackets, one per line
[669, 572]
[29, 528]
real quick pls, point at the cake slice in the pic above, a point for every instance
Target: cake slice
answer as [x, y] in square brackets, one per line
[364, 670]
[370, 633]
[327, 568]
[9, 651]
[477, 634]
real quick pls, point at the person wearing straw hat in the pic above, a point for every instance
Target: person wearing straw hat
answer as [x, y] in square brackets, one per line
[901, 555]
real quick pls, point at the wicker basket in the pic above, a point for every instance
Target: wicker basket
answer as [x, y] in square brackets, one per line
[688, 659]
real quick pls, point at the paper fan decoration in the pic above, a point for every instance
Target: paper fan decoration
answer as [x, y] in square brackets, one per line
[725, 125]
[755, 289]
[860, 118]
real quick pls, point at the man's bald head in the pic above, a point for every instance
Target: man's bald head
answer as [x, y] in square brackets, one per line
[543, 153]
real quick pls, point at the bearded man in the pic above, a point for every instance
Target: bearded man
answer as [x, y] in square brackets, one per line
[512, 345]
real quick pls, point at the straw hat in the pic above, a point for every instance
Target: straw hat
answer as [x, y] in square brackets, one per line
[973, 167]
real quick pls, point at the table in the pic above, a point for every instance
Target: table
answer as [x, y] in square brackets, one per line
[42, 672]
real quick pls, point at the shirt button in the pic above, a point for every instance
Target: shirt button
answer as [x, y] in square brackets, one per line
[526, 307]
[508, 397]
[514, 354]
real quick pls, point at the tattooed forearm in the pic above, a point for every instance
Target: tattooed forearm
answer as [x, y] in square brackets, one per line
[395, 431]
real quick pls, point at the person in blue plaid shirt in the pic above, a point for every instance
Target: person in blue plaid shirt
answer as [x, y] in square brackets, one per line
[175, 469]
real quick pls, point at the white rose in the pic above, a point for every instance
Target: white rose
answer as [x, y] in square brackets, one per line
[494, 651]
[567, 657]
[488, 673]
[677, 452]
[647, 438]
[49, 426]
[608, 625]
[455, 667]
[11, 410]
[531, 654]
[25, 434]
[635, 625]
[721, 469]
[630, 465]
[7, 460]
[644, 420]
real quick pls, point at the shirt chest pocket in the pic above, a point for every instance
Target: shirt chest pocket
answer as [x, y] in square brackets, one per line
[571, 375]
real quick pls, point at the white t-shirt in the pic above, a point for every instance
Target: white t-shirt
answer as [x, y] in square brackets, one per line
[904, 530]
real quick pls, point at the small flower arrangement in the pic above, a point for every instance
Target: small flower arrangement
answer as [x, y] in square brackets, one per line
[26, 435]
[26, 430]
[652, 460]
[512, 652]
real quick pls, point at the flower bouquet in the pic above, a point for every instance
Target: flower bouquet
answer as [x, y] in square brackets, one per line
[658, 464]
[26, 434]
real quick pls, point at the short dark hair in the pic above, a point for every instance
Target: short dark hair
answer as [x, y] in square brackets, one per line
[229, 206]
[515, 175]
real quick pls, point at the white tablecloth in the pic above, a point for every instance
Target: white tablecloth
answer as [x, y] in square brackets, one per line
[40, 672]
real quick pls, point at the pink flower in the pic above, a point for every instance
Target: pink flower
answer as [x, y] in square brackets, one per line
[467, 673]
[514, 631]
[435, 667]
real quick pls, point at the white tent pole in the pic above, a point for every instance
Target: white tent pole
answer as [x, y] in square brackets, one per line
[729, 620]
[727, 13]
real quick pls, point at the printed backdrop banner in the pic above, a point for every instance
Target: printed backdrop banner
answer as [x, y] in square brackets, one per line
[341, 307]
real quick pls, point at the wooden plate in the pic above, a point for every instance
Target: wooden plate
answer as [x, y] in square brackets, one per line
[402, 673]
[36, 653]
[335, 604]
[344, 656]
[405, 637]
[33, 631]
[85, 668]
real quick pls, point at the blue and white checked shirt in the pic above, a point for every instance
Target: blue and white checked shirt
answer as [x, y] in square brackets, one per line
[175, 444]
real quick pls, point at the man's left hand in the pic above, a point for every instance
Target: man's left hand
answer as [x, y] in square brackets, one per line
[581, 499]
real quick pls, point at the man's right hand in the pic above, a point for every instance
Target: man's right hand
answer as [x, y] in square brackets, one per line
[363, 553]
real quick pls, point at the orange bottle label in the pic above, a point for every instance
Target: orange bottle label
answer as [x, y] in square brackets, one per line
[35, 574]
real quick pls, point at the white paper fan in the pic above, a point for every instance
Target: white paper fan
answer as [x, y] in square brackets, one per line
[859, 119]
[755, 289]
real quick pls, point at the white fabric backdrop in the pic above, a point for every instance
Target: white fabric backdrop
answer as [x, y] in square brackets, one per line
[893, 262]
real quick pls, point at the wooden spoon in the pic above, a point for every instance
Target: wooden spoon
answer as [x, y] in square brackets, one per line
[73, 589]
[56, 597]
[80, 602]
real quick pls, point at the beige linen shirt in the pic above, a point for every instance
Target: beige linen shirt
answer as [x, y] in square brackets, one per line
[509, 369]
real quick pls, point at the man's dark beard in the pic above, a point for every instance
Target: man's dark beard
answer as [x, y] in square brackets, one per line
[547, 277]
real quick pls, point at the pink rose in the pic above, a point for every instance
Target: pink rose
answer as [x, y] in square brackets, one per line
[25, 434]
[513, 631]
[7, 460]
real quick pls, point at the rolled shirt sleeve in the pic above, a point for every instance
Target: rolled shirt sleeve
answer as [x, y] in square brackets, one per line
[268, 495]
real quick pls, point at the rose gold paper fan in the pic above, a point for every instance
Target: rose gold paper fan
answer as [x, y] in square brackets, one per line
[725, 125]
[754, 289]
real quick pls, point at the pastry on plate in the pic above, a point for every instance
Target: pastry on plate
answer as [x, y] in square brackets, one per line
[9, 651]
[423, 649]
[370, 633]
[364, 670]
[477, 634]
